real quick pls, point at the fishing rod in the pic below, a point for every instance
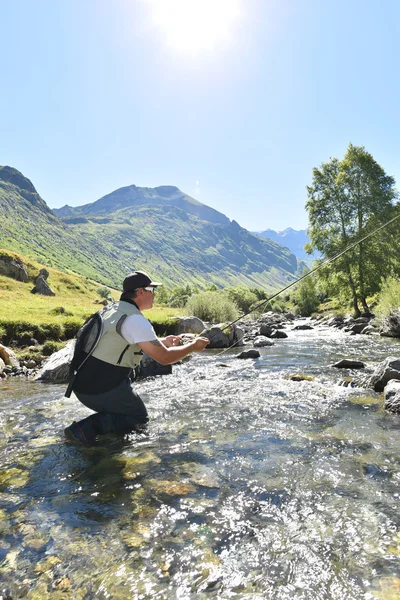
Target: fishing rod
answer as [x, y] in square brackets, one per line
[320, 266]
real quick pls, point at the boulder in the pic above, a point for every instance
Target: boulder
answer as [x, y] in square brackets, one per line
[266, 329]
[261, 341]
[358, 327]
[391, 395]
[384, 372]
[8, 356]
[391, 324]
[189, 325]
[277, 334]
[41, 285]
[149, 368]
[302, 327]
[249, 354]
[2, 365]
[224, 338]
[13, 267]
[56, 368]
[349, 363]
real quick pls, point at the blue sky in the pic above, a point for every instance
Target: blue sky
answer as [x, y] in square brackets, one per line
[99, 94]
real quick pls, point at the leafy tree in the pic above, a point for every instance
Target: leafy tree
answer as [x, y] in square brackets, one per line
[242, 297]
[347, 200]
[305, 296]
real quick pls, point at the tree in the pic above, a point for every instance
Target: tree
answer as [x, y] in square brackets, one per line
[305, 296]
[347, 200]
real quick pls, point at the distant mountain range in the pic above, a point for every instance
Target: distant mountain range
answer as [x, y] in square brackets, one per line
[292, 239]
[161, 230]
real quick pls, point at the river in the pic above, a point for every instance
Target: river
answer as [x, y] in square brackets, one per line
[246, 485]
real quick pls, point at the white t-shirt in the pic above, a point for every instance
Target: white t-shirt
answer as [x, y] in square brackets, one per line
[136, 328]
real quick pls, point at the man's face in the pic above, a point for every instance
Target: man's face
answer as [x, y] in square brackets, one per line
[145, 298]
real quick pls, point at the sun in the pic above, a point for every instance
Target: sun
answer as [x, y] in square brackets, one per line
[195, 26]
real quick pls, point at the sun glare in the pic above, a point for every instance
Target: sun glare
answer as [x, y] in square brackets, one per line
[195, 26]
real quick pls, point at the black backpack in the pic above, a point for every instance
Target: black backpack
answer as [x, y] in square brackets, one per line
[86, 341]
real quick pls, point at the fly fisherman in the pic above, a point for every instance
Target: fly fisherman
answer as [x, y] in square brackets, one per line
[103, 382]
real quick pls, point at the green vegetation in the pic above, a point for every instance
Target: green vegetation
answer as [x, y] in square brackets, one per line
[389, 298]
[211, 306]
[178, 240]
[305, 296]
[347, 200]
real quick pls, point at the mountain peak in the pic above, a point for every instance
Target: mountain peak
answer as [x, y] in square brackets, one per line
[15, 177]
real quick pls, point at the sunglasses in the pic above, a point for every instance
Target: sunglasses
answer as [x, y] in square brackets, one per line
[150, 289]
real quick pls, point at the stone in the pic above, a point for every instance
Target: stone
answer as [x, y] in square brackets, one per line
[41, 285]
[13, 267]
[189, 325]
[384, 372]
[249, 354]
[302, 327]
[56, 368]
[391, 394]
[149, 367]
[278, 334]
[8, 356]
[222, 336]
[348, 363]
[261, 341]
[358, 327]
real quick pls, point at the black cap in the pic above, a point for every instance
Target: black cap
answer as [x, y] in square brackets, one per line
[137, 280]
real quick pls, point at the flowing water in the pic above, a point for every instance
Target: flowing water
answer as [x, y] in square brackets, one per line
[246, 485]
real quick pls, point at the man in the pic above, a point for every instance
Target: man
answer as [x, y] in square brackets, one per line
[103, 383]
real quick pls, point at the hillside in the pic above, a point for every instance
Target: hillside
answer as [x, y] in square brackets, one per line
[163, 231]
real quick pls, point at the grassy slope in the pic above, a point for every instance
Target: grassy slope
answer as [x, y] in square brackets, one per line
[23, 312]
[165, 240]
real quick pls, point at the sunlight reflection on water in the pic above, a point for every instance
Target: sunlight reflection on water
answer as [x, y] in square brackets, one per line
[247, 484]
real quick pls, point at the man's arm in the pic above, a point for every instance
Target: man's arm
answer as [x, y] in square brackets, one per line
[166, 356]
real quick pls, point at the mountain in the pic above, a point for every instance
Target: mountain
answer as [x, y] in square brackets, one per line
[162, 230]
[292, 239]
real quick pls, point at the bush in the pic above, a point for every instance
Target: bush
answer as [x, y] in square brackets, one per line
[242, 297]
[51, 346]
[71, 327]
[389, 298]
[211, 306]
[305, 297]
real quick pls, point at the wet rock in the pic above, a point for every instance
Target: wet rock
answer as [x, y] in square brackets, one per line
[149, 367]
[224, 338]
[278, 335]
[8, 356]
[357, 327]
[369, 329]
[385, 371]
[266, 329]
[249, 354]
[261, 341]
[391, 395]
[348, 363]
[391, 324]
[56, 368]
[189, 325]
[302, 327]
[300, 377]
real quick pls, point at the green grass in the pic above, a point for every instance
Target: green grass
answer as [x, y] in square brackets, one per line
[26, 315]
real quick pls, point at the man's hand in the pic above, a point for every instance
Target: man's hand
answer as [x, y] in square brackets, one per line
[172, 340]
[200, 343]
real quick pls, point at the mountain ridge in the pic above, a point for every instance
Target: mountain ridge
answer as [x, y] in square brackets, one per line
[172, 238]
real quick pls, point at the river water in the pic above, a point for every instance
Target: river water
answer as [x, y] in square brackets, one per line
[246, 485]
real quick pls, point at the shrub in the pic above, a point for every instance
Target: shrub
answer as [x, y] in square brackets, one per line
[389, 298]
[305, 297]
[51, 346]
[242, 297]
[211, 306]
[60, 310]
[103, 292]
[71, 327]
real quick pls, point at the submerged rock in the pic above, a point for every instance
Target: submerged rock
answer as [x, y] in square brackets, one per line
[249, 354]
[261, 341]
[349, 363]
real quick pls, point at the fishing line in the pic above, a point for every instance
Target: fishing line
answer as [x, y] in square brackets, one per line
[320, 266]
